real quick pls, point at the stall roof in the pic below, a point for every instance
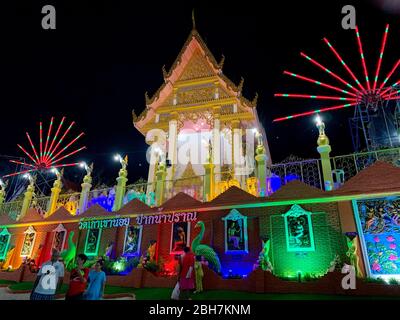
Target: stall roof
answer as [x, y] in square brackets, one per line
[135, 206]
[380, 177]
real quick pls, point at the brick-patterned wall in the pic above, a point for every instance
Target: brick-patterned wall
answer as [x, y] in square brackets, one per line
[328, 240]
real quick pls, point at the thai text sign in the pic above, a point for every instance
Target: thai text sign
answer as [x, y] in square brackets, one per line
[104, 223]
[167, 218]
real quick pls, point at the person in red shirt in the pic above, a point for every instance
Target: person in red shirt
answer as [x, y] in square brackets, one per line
[78, 279]
[187, 275]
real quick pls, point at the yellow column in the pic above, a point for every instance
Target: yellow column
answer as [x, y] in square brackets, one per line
[28, 195]
[55, 192]
[261, 160]
[86, 186]
[324, 149]
[160, 183]
[121, 184]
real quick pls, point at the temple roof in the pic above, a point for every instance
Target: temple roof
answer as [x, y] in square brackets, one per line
[194, 61]
[135, 206]
[379, 177]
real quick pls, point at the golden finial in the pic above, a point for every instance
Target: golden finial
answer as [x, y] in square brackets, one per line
[221, 63]
[322, 137]
[193, 21]
[164, 72]
[134, 116]
[240, 86]
[146, 96]
[254, 102]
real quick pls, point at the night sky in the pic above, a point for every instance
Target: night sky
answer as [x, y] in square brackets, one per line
[98, 63]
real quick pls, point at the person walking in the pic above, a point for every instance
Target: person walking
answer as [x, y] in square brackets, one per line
[198, 268]
[97, 282]
[49, 279]
[78, 279]
[187, 275]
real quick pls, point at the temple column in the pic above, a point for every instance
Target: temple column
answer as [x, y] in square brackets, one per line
[236, 144]
[209, 178]
[86, 186]
[121, 185]
[324, 149]
[172, 146]
[55, 192]
[216, 138]
[28, 195]
[152, 170]
[261, 162]
[160, 183]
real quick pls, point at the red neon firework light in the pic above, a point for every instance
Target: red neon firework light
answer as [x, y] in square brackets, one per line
[51, 150]
[358, 92]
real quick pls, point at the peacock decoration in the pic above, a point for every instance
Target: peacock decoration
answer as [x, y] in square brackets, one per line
[203, 250]
[68, 255]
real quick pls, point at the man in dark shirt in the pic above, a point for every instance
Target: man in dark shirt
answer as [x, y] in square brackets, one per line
[78, 280]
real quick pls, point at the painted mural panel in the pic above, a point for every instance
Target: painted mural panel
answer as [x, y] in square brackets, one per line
[299, 233]
[180, 237]
[379, 221]
[133, 236]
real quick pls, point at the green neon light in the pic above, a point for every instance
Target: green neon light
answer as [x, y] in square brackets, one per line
[87, 250]
[5, 238]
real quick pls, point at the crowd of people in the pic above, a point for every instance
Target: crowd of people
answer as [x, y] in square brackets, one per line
[84, 284]
[89, 284]
[190, 275]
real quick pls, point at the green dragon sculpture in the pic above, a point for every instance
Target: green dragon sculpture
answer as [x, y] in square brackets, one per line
[203, 250]
[68, 255]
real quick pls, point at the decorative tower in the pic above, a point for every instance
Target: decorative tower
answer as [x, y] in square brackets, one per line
[28, 195]
[160, 182]
[324, 149]
[198, 102]
[86, 186]
[55, 192]
[261, 160]
[121, 183]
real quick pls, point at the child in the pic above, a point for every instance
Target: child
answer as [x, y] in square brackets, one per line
[199, 274]
[97, 282]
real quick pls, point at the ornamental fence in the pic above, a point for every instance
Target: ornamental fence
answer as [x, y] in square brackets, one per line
[306, 170]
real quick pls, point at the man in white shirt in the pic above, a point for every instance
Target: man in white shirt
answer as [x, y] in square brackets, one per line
[49, 279]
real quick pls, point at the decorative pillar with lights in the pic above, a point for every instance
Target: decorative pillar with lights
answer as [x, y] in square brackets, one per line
[261, 160]
[86, 186]
[55, 192]
[160, 182]
[121, 182]
[28, 195]
[324, 149]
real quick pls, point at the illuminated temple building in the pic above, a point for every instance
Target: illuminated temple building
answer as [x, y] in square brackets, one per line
[261, 222]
